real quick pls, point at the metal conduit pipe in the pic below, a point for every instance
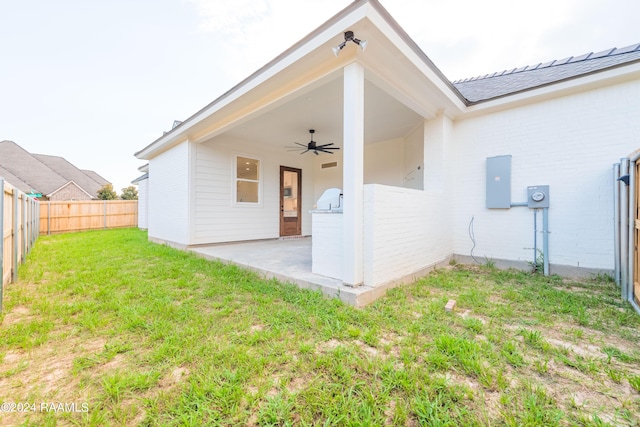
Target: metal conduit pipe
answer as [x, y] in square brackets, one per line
[535, 239]
[545, 239]
[624, 226]
[616, 222]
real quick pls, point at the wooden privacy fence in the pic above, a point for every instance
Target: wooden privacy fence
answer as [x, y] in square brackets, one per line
[79, 215]
[19, 227]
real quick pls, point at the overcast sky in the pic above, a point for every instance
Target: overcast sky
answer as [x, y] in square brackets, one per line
[95, 81]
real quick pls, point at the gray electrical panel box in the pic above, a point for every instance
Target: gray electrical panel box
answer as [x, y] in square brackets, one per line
[538, 196]
[499, 182]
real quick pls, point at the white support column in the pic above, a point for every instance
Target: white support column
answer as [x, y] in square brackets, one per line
[353, 175]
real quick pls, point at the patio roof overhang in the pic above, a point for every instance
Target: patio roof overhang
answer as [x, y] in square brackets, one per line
[301, 89]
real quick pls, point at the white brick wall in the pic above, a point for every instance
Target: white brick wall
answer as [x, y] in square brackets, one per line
[169, 195]
[405, 231]
[569, 143]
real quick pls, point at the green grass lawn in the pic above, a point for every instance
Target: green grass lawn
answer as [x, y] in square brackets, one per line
[147, 335]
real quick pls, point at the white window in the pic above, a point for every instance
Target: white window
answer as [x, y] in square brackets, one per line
[247, 180]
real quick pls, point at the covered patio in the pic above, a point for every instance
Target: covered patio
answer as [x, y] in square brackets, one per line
[234, 163]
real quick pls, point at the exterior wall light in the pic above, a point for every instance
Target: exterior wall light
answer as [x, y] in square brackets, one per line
[348, 36]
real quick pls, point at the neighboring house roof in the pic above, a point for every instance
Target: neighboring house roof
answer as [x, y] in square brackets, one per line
[490, 86]
[96, 177]
[28, 169]
[15, 181]
[71, 173]
[42, 173]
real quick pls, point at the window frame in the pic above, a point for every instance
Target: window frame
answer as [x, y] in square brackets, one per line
[236, 179]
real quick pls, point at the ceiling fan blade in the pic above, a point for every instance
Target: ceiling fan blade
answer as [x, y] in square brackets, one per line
[305, 151]
[325, 145]
[316, 151]
[330, 148]
[302, 145]
[324, 151]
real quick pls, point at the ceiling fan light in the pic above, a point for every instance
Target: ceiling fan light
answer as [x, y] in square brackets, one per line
[363, 44]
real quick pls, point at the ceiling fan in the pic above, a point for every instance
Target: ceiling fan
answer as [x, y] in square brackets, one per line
[313, 146]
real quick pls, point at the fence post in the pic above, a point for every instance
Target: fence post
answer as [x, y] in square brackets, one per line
[1, 240]
[105, 214]
[16, 240]
[23, 236]
[49, 217]
[30, 235]
[35, 230]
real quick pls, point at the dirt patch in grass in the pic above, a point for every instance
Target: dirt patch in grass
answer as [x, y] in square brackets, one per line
[297, 384]
[47, 372]
[583, 349]
[176, 376]
[327, 346]
[17, 315]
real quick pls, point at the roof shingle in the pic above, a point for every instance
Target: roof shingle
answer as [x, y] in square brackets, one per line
[483, 88]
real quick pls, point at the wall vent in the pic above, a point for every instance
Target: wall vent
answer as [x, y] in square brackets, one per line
[329, 165]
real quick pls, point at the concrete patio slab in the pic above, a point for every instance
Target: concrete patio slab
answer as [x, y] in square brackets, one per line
[288, 260]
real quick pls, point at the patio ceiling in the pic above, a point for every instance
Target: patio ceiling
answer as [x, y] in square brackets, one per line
[322, 109]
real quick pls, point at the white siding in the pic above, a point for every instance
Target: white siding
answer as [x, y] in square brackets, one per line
[569, 143]
[169, 195]
[405, 231]
[217, 218]
[143, 203]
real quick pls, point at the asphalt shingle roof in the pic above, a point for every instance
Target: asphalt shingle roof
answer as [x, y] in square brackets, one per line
[96, 177]
[15, 181]
[42, 173]
[483, 88]
[71, 173]
[28, 169]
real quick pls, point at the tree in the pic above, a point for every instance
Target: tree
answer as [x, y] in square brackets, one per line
[129, 193]
[107, 193]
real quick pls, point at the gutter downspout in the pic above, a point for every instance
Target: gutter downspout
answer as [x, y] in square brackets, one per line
[624, 227]
[616, 222]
